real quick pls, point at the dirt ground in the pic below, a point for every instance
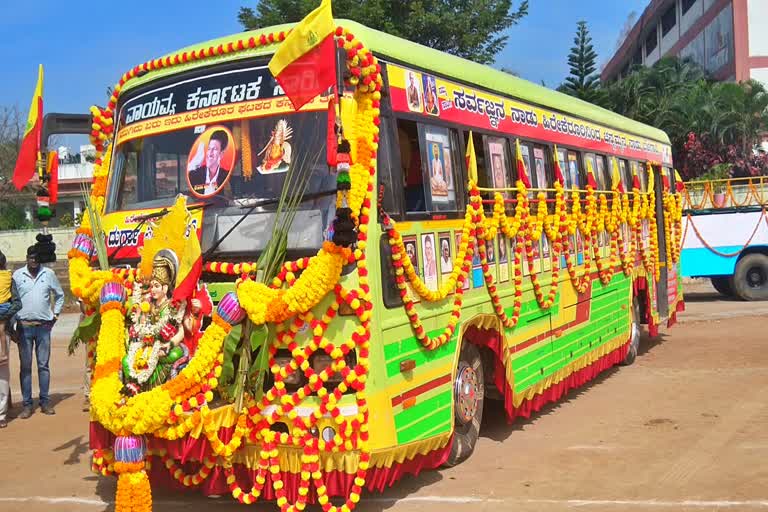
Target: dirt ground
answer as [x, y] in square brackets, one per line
[682, 429]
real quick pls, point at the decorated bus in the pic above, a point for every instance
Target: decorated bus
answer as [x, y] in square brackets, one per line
[297, 305]
[725, 235]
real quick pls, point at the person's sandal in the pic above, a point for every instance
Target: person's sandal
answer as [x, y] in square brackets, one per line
[47, 409]
[3, 423]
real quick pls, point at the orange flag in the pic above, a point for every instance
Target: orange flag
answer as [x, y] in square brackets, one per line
[29, 153]
[522, 173]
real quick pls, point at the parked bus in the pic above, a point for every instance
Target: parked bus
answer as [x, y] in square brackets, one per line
[459, 288]
[726, 235]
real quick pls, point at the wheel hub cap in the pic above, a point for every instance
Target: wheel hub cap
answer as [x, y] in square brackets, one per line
[755, 277]
[467, 394]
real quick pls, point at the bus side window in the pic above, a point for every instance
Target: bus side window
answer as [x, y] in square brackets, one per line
[643, 177]
[603, 177]
[562, 159]
[410, 162]
[542, 173]
[439, 164]
[590, 161]
[498, 150]
[626, 175]
[388, 174]
[574, 177]
[638, 170]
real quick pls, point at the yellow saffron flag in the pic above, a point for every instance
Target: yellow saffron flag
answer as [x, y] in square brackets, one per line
[471, 160]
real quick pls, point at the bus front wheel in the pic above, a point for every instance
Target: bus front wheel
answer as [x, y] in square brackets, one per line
[634, 335]
[750, 280]
[468, 397]
[723, 285]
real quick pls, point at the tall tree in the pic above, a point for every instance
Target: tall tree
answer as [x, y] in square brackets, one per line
[583, 81]
[473, 29]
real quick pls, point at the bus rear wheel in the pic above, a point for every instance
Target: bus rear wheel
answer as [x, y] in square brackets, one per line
[468, 398]
[750, 280]
[723, 285]
[634, 335]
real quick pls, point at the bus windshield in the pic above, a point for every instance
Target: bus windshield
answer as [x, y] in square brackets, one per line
[226, 140]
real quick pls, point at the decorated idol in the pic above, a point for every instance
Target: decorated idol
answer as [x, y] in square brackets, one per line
[155, 332]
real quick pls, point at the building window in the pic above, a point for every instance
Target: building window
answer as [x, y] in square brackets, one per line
[651, 41]
[668, 20]
[687, 4]
[637, 58]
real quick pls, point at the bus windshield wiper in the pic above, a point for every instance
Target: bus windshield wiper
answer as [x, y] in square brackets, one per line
[251, 208]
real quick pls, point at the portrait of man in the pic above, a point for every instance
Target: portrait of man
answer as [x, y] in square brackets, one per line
[430, 96]
[446, 261]
[413, 92]
[502, 250]
[490, 254]
[410, 250]
[498, 171]
[438, 186]
[430, 261]
[206, 174]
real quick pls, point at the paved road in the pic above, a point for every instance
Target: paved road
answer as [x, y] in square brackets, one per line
[682, 429]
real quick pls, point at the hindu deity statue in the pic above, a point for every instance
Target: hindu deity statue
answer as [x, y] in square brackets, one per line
[277, 152]
[156, 351]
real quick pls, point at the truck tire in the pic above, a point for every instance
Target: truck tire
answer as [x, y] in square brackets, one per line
[750, 280]
[723, 285]
[468, 398]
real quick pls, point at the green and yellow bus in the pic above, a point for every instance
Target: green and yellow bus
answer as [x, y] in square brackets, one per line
[516, 281]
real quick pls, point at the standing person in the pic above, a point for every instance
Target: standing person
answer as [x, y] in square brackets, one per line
[9, 306]
[36, 284]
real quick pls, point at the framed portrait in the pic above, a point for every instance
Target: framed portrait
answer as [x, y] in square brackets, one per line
[413, 92]
[429, 260]
[431, 101]
[503, 260]
[446, 253]
[412, 251]
[546, 253]
[210, 161]
[439, 165]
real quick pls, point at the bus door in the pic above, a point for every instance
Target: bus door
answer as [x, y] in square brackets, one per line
[661, 286]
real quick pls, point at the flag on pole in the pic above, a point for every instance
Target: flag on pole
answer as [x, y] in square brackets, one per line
[29, 153]
[591, 182]
[679, 185]
[471, 160]
[664, 179]
[558, 170]
[52, 170]
[651, 179]
[305, 63]
[635, 178]
[190, 267]
[522, 173]
[616, 177]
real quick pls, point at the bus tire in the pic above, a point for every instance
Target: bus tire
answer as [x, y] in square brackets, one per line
[468, 398]
[634, 335]
[723, 285]
[750, 280]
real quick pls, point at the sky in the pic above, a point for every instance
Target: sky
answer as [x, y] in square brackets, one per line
[86, 47]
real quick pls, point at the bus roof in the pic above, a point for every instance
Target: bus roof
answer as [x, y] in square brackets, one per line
[440, 63]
